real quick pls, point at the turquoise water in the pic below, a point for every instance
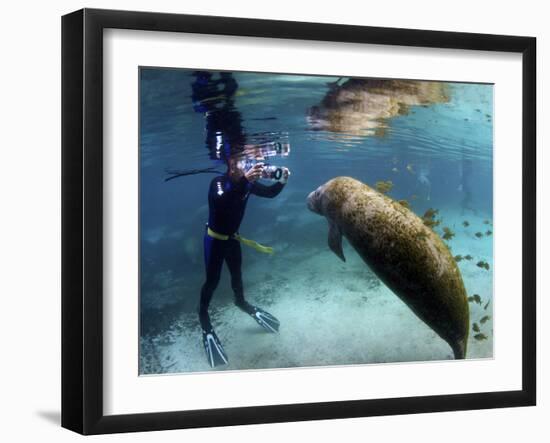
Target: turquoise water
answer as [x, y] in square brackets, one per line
[437, 153]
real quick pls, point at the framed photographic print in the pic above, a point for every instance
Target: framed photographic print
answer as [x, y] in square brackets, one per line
[270, 221]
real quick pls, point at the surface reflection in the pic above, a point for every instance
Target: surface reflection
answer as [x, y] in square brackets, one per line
[363, 106]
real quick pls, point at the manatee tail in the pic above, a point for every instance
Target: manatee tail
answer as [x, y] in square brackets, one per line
[459, 349]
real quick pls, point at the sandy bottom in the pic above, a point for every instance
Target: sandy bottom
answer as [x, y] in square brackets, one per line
[331, 313]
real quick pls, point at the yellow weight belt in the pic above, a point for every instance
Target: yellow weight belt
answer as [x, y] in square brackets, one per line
[245, 241]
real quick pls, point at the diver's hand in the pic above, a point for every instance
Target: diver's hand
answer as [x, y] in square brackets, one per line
[284, 177]
[254, 173]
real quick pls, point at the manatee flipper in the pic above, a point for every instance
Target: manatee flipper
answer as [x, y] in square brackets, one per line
[335, 240]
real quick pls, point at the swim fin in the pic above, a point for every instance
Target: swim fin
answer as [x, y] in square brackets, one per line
[263, 318]
[214, 350]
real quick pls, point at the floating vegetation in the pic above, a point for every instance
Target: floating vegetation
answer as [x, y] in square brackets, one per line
[480, 336]
[466, 223]
[486, 222]
[414, 197]
[404, 203]
[468, 257]
[447, 233]
[384, 186]
[484, 319]
[429, 218]
[458, 258]
[479, 234]
[486, 305]
[488, 233]
[483, 264]
[475, 327]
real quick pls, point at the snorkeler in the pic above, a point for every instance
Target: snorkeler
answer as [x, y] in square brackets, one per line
[227, 198]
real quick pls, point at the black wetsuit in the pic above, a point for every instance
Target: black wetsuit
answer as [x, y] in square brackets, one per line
[227, 203]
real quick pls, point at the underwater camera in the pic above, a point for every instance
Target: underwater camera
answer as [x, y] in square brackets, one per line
[275, 148]
[269, 171]
[257, 152]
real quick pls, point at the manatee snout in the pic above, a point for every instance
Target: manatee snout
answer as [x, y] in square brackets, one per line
[314, 201]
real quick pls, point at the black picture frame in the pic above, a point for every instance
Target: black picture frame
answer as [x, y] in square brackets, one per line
[82, 218]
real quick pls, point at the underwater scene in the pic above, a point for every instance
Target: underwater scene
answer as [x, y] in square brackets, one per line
[294, 221]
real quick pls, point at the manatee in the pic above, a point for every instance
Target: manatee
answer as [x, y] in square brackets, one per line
[406, 255]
